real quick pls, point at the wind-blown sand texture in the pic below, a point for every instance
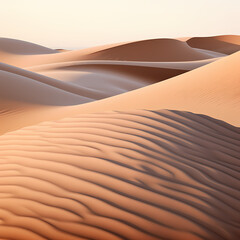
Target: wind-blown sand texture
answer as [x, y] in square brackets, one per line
[136, 140]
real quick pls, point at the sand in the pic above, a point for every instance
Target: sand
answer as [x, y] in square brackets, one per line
[136, 140]
[155, 50]
[227, 44]
[213, 89]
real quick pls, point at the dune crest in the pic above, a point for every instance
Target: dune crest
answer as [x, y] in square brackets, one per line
[19, 47]
[227, 44]
[211, 90]
[154, 50]
[150, 50]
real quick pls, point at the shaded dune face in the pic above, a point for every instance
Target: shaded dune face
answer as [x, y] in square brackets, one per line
[128, 175]
[18, 47]
[29, 96]
[224, 44]
[151, 50]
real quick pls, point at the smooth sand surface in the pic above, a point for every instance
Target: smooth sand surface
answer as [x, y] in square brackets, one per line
[155, 50]
[135, 140]
[213, 90]
[19, 47]
[227, 44]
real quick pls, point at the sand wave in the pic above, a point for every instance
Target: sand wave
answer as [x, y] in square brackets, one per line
[131, 175]
[155, 50]
[226, 44]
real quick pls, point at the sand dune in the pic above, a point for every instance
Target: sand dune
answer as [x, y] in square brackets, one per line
[227, 44]
[78, 65]
[150, 50]
[87, 150]
[163, 50]
[61, 84]
[18, 47]
[23, 86]
[27, 98]
[131, 175]
[211, 90]
[116, 76]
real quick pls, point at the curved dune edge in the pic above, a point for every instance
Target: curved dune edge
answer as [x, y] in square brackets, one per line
[212, 90]
[39, 96]
[28, 98]
[163, 49]
[78, 65]
[19, 47]
[201, 90]
[226, 44]
[153, 50]
[128, 175]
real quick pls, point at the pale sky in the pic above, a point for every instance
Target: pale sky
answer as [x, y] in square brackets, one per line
[84, 23]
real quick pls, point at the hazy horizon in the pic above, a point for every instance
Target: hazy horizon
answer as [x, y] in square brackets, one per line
[80, 24]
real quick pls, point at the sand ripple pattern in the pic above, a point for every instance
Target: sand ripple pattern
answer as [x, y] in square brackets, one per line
[138, 175]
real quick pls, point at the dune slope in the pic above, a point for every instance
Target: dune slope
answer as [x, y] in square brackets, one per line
[213, 90]
[150, 50]
[202, 90]
[18, 47]
[28, 97]
[227, 44]
[163, 50]
[131, 175]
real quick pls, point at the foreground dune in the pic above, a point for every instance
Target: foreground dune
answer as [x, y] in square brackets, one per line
[87, 150]
[130, 175]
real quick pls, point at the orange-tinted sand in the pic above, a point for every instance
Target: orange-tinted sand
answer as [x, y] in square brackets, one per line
[136, 140]
[224, 44]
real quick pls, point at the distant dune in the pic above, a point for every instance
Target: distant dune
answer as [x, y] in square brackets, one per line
[163, 50]
[167, 50]
[212, 89]
[135, 140]
[18, 47]
[224, 44]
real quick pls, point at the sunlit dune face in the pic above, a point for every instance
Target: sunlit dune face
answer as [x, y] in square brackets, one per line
[130, 175]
